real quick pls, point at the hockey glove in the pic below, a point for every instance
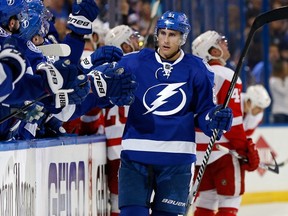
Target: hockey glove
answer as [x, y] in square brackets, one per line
[51, 127]
[81, 89]
[113, 82]
[59, 80]
[100, 56]
[13, 66]
[32, 114]
[252, 156]
[83, 14]
[219, 118]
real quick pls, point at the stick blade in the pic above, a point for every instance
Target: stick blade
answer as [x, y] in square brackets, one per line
[270, 16]
[154, 9]
[62, 50]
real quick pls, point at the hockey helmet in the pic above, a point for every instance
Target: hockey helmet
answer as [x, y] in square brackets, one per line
[9, 8]
[31, 25]
[258, 96]
[204, 42]
[176, 21]
[119, 35]
[38, 7]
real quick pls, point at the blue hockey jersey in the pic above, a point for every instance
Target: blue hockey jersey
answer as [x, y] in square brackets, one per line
[171, 100]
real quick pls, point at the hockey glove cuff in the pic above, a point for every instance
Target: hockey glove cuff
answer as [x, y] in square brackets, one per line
[83, 14]
[100, 56]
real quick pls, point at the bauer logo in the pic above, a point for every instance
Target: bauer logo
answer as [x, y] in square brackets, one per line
[173, 202]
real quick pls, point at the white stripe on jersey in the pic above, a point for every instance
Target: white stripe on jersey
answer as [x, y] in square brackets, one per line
[159, 146]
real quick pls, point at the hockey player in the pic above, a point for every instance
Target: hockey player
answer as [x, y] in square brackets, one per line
[223, 181]
[125, 39]
[255, 100]
[158, 144]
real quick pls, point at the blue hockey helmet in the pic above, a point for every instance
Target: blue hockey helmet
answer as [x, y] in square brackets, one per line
[9, 8]
[175, 21]
[30, 25]
[38, 7]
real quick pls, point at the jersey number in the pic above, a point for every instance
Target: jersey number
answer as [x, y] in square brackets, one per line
[236, 95]
[112, 120]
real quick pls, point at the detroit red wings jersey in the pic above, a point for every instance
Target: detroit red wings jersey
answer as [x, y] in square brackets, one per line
[90, 123]
[251, 122]
[115, 119]
[236, 137]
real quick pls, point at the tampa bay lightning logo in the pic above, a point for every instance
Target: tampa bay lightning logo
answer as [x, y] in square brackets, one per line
[3, 33]
[32, 47]
[167, 99]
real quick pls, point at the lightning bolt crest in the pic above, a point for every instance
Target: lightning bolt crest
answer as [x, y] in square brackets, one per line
[167, 92]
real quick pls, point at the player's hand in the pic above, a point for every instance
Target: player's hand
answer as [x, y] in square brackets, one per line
[100, 56]
[81, 90]
[32, 114]
[83, 14]
[13, 65]
[51, 127]
[220, 119]
[59, 80]
[113, 82]
[252, 155]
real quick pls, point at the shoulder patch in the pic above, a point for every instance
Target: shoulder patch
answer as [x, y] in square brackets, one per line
[3, 33]
[32, 47]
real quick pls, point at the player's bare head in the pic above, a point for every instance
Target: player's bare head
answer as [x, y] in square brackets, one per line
[211, 45]
[175, 21]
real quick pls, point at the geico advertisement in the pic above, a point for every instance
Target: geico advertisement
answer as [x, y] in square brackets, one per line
[65, 177]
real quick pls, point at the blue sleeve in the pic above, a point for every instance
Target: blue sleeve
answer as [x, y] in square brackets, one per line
[6, 85]
[76, 44]
[29, 87]
[204, 99]
[89, 103]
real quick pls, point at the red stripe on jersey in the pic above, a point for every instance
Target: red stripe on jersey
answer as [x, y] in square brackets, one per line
[114, 141]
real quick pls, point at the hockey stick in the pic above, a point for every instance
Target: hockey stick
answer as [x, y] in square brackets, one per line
[261, 165]
[23, 108]
[55, 50]
[152, 17]
[283, 163]
[260, 20]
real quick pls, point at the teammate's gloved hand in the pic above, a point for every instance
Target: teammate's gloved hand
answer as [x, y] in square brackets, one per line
[81, 89]
[220, 119]
[83, 14]
[52, 127]
[100, 56]
[111, 81]
[252, 156]
[59, 80]
[32, 114]
[13, 63]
